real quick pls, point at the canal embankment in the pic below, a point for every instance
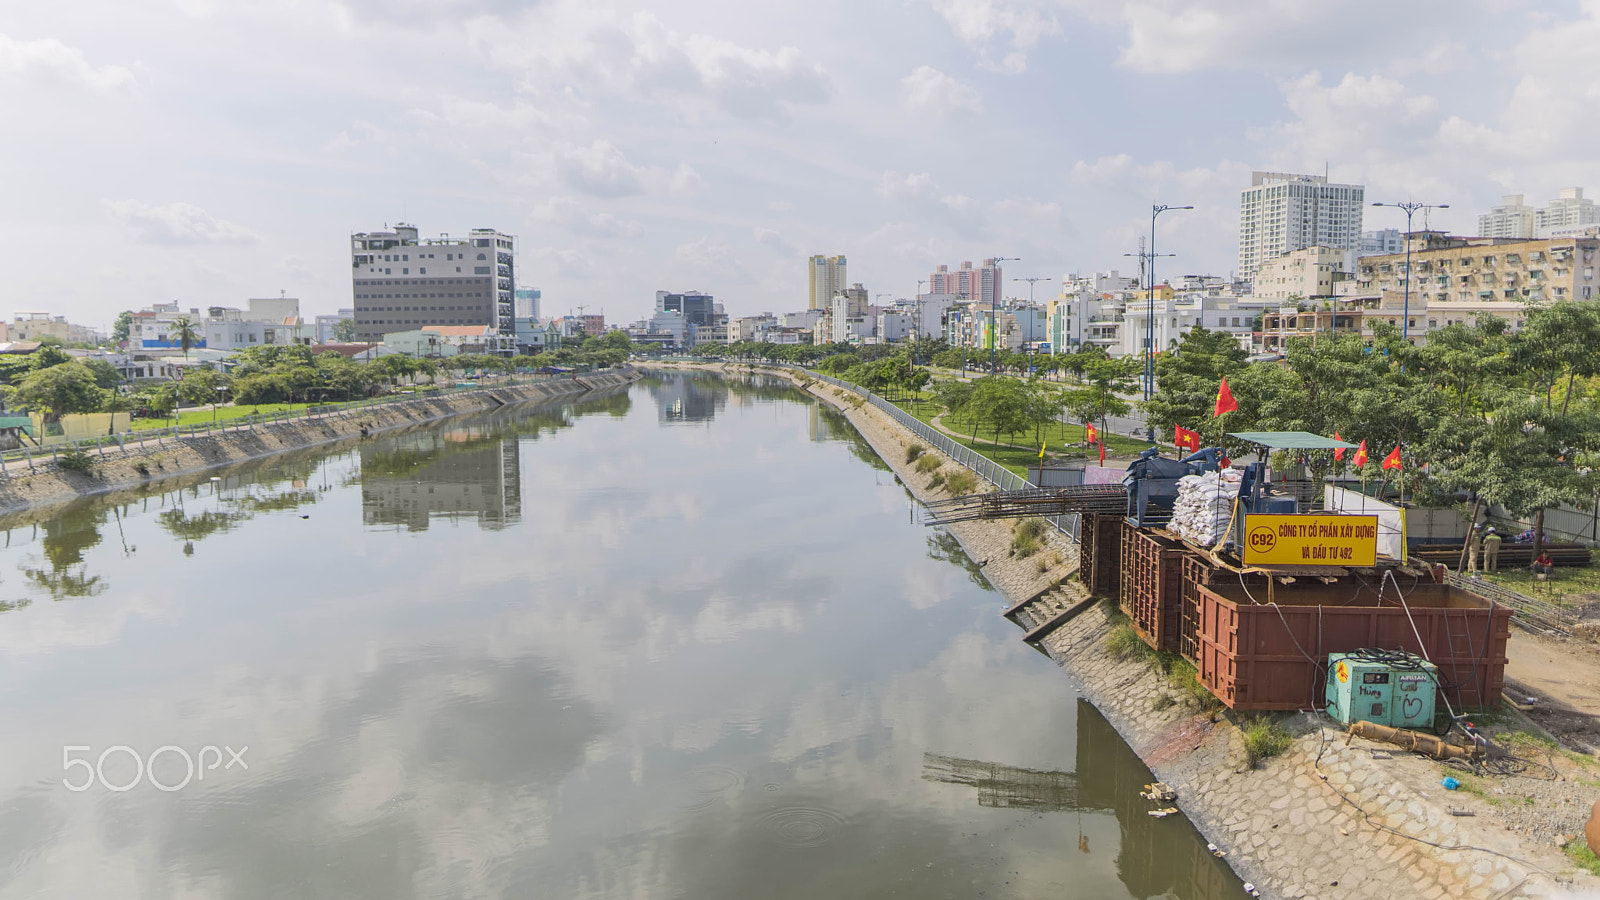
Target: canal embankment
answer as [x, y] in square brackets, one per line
[46, 481]
[1328, 817]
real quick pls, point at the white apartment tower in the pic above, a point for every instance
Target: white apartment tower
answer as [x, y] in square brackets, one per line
[1511, 219]
[1566, 215]
[1280, 213]
[402, 283]
[827, 278]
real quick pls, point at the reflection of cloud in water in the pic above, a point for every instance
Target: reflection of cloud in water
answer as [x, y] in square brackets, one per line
[425, 780]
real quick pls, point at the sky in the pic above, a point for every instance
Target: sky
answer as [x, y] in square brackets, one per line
[205, 152]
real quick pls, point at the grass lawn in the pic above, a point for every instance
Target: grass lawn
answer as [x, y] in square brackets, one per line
[202, 416]
[1567, 584]
[1060, 440]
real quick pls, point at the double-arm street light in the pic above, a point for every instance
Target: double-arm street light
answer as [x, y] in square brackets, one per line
[1409, 208]
[994, 309]
[1032, 280]
[1156, 209]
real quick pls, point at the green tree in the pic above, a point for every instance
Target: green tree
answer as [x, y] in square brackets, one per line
[1001, 403]
[344, 331]
[1187, 380]
[48, 355]
[123, 327]
[58, 391]
[183, 331]
[105, 374]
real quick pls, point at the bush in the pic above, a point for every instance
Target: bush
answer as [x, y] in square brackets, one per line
[928, 463]
[937, 479]
[76, 461]
[1025, 537]
[1264, 738]
[1184, 678]
[961, 483]
[914, 451]
[1123, 642]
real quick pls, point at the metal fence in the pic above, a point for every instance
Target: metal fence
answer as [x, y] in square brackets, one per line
[986, 468]
[1532, 613]
[155, 437]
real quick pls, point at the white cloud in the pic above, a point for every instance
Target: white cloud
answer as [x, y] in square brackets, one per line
[580, 217]
[1009, 27]
[894, 186]
[928, 90]
[574, 46]
[177, 224]
[566, 261]
[770, 238]
[600, 169]
[48, 61]
[709, 252]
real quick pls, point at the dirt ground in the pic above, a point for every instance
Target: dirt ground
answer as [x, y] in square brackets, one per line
[1556, 683]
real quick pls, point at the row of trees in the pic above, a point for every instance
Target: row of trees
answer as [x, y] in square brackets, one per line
[1002, 405]
[1506, 418]
[53, 382]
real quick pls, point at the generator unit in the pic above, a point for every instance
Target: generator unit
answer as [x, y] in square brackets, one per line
[1385, 687]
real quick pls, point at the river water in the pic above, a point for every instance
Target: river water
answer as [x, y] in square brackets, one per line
[680, 640]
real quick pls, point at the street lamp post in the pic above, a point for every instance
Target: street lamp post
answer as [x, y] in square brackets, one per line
[994, 310]
[1156, 209]
[1409, 208]
[1032, 280]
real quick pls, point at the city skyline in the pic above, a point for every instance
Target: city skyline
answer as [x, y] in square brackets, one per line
[235, 174]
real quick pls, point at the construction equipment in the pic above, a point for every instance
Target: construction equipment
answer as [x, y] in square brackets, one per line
[1434, 746]
[1382, 687]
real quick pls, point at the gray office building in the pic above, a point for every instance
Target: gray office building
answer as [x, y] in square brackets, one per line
[402, 283]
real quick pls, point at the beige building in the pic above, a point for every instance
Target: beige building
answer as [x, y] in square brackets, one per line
[33, 326]
[1470, 270]
[828, 277]
[1300, 275]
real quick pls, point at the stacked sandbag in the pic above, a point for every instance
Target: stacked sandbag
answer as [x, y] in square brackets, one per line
[1204, 506]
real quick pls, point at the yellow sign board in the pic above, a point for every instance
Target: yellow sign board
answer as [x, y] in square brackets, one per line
[1310, 540]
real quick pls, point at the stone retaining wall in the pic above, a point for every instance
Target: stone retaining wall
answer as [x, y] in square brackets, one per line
[44, 483]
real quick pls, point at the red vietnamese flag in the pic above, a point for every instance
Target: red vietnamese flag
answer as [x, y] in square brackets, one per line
[1361, 454]
[1392, 461]
[1225, 401]
[1090, 434]
[1188, 440]
[1338, 454]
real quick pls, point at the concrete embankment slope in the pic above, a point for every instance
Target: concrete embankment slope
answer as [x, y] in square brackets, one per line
[47, 484]
[1325, 819]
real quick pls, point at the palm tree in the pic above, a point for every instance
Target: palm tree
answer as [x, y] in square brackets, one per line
[185, 333]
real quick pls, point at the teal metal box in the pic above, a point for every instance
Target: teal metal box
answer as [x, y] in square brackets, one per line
[1361, 689]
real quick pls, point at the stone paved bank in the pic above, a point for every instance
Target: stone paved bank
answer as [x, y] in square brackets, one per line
[1284, 826]
[47, 483]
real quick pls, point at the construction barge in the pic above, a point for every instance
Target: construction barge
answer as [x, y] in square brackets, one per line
[1267, 595]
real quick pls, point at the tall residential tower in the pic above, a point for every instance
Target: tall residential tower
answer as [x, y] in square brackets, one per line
[827, 278]
[1280, 213]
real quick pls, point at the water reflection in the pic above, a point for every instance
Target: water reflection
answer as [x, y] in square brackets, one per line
[687, 396]
[707, 667]
[1155, 857]
[65, 574]
[944, 547]
[472, 471]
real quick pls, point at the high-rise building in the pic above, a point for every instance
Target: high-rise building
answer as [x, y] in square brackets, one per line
[982, 284]
[1567, 215]
[402, 283]
[1511, 219]
[528, 303]
[827, 278]
[1280, 213]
